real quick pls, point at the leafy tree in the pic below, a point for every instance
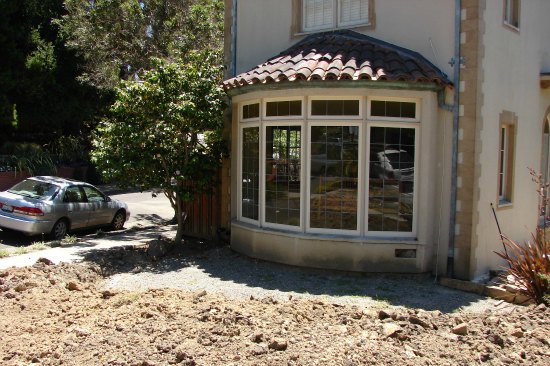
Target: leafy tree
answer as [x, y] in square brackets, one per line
[39, 95]
[119, 38]
[164, 131]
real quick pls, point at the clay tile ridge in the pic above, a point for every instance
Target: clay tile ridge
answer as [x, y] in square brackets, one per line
[342, 55]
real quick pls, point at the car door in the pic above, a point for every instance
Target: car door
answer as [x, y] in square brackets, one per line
[78, 210]
[101, 212]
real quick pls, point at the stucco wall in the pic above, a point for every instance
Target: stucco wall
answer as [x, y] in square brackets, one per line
[511, 65]
[426, 26]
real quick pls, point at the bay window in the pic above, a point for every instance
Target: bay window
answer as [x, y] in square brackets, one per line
[356, 174]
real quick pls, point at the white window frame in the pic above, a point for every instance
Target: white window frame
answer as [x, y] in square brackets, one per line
[240, 173]
[249, 102]
[343, 117]
[263, 110]
[370, 117]
[393, 234]
[361, 162]
[336, 18]
[281, 122]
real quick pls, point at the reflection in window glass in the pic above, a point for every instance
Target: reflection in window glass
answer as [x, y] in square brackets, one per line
[282, 175]
[284, 108]
[335, 107]
[334, 175]
[391, 179]
[250, 172]
[251, 111]
[383, 108]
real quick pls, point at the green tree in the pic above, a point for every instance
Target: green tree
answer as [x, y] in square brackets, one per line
[39, 95]
[164, 131]
[119, 38]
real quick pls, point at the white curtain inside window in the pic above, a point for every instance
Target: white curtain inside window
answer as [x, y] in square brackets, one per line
[318, 14]
[353, 11]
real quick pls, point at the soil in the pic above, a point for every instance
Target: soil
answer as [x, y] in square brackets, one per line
[64, 315]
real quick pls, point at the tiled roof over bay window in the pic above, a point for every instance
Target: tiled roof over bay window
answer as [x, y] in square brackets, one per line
[342, 55]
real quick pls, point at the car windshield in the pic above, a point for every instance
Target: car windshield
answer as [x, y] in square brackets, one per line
[34, 189]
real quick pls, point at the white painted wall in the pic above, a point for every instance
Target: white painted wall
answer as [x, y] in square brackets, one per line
[264, 29]
[511, 67]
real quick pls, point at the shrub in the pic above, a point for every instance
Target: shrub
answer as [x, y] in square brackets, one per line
[529, 264]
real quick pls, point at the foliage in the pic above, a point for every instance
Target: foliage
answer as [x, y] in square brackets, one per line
[165, 132]
[29, 157]
[529, 264]
[120, 38]
[68, 150]
[39, 94]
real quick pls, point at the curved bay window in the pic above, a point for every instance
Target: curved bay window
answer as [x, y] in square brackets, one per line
[357, 173]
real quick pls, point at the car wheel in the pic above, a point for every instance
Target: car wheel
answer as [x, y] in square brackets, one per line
[60, 230]
[118, 220]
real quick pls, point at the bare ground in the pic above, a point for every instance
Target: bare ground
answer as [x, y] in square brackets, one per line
[64, 315]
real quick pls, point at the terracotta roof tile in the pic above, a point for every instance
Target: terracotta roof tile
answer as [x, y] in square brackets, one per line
[342, 55]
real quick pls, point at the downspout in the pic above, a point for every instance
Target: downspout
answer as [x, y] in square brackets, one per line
[234, 39]
[455, 62]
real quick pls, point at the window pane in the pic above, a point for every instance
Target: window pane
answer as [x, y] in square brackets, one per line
[391, 179]
[250, 172]
[334, 171]
[382, 108]
[335, 108]
[318, 14]
[282, 175]
[251, 111]
[284, 108]
[354, 11]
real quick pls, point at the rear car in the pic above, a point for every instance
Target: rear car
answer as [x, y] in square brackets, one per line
[55, 206]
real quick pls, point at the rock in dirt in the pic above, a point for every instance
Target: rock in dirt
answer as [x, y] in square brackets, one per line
[278, 344]
[460, 329]
[391, 330]
[158, 248]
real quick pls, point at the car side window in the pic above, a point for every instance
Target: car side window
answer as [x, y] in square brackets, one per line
[93, 195]
[73, 194]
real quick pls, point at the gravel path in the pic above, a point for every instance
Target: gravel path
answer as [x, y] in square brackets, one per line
[221, 270]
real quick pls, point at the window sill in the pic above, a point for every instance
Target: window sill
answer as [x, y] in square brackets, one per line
[510, 27]
[306, 33]
[504, 204]
[368, 239]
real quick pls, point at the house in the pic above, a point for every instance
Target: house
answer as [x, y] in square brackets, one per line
[378, 135]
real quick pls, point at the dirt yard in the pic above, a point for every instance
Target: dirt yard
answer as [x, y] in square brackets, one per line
[62, 315]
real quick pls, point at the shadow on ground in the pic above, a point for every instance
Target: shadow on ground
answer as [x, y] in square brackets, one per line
[221, 269]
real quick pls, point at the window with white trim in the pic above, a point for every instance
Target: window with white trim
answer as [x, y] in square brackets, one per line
[283, 148]
[334, 176]
[391, 178]
[329, 14]
[250, 172]
[359, 176]
[511, 13]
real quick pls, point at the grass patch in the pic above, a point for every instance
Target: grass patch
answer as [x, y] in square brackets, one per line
[4, 253]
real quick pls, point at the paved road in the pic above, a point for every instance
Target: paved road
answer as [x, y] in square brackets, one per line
[144, 208]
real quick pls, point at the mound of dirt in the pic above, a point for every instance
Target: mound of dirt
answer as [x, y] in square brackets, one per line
[61, 315]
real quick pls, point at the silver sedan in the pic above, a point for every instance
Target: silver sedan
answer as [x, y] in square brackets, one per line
[54, 206]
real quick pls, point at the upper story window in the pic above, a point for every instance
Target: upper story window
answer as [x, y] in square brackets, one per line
[511, 13]
[329, 14]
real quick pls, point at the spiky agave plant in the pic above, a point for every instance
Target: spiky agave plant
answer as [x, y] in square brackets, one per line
[529, 265]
